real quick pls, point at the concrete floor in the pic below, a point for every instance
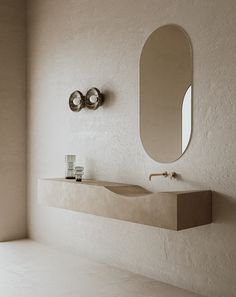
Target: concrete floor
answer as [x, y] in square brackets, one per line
[29, 269]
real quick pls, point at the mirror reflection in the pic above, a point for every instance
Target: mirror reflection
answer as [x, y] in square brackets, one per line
[166, 93]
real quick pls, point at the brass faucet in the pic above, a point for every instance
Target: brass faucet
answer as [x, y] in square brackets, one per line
[165, 174]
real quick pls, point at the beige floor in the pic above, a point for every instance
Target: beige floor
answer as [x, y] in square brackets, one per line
[29, 269]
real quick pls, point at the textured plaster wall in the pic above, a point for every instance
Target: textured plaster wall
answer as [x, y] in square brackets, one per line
[12, 119]
[80, 44]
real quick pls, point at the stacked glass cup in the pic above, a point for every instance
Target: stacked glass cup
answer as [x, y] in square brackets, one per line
[79, 172]
[69, 166]
[72, 171]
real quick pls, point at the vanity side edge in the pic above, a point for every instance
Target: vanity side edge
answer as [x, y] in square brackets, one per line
[194, 209]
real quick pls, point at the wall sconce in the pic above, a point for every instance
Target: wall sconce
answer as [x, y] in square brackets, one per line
[76, 101]
[92, 100]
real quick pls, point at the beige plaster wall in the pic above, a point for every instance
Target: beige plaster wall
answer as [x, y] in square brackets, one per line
[12, 119]
[80, 44]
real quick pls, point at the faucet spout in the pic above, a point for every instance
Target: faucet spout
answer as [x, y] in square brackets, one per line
[165, 174]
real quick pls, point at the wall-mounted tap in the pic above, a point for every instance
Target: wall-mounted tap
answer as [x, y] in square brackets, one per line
[165, 174]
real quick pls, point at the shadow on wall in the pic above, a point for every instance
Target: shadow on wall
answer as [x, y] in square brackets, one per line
[109, 98]
[192, 184]
[223, 208]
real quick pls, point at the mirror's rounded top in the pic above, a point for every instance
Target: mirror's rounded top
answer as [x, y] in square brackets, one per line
[165, 77]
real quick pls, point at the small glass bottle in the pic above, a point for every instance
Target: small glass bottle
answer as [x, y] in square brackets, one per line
[70, 166]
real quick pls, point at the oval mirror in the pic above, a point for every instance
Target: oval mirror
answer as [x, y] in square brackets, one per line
[166, 93]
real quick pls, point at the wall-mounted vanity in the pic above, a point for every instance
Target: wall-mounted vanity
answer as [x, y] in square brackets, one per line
[170, 210]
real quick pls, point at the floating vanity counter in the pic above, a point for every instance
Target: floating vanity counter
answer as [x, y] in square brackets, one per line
[170, 210]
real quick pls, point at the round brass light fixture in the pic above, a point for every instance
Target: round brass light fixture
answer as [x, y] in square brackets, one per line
[94, 98]
[76, 101]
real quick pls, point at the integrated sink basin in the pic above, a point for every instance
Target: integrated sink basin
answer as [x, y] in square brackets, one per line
[118, 188]
[170, 210]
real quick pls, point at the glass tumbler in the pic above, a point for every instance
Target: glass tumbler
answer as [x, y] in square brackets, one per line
[70, 166]
[79, 172]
